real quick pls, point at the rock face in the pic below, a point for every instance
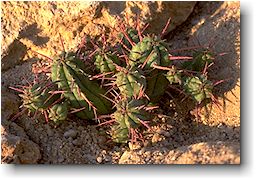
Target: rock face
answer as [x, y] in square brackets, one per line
[9, 104]
[206, 153]
[16, 146]
[38, 25]
[200, 153]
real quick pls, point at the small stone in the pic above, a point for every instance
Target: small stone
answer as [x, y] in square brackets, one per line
[70, 133]
[134, 146]
[76, 142]
[107, 158]
[167, 134]
[99, 159]
[61, 159]
[156, 138]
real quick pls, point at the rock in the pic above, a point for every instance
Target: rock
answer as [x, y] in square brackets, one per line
[125, 157]
[205, 153]
[156, 138]
[99, 159]
[9, 104]
[18, 150]
[70, 133]
[38, 25]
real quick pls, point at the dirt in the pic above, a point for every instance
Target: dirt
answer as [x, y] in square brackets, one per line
[177, 137]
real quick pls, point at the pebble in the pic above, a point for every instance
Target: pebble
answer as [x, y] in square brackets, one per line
[76, 142]
[99, 159]
[70, 133]
[61, 159]
[156, 138]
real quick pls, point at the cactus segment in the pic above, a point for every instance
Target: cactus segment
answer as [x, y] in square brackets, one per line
[38, 98]
[130, 82]
[156, 85]
[174, 76]
[79, 89]
[130, 113]
[200, 58]
[198, 87]
[58, 112]
[105, 62]
[148, 52]
[120, 133]
[132, 34]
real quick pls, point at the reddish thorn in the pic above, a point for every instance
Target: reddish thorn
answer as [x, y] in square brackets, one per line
[17, 115]
[35, 114]
[125, 34]
[138, 29]
[165, 28]
[90, 55]
[120, 41]
[108, 98]
[57, 92]
[145, 62]
[48, 99]
[222, 54]
[205, 68]
[95, 113]
[151, 108]
[57, 101]
[107, 122]
[161, 67]
[77, 110]
[145, 124]
[220, 81]
[125, 57]
[46, 117]
[180, 58]
[16, 89]
[109, 84]
[42, 55]
[100, 75]
[62, 43]
[145, 28]
[88, 101]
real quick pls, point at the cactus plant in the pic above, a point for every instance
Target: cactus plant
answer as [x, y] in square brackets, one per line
[134, 73]
[58, 112]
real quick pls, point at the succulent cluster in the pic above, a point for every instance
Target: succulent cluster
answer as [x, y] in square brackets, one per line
[123, 81]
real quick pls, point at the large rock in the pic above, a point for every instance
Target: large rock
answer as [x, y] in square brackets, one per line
[205, 153]
[16, 147]
[9, 104]
[199, 153]
[38, 25]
